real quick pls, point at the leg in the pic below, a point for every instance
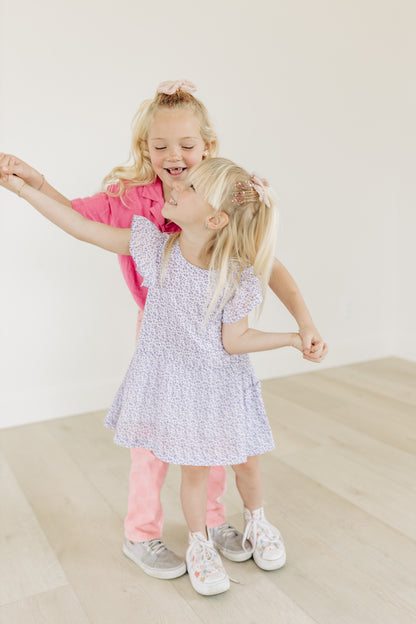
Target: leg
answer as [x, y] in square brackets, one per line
[225, 537]
[205, 569]
[143, 524]
[264, 539]
[216, 487]
[144, 519]
[249, 482]
[194, 497]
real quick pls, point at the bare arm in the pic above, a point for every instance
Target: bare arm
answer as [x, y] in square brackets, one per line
[11, 165]
[239, 338]
[285, 288]
[107, 237]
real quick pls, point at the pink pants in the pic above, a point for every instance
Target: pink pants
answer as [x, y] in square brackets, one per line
[144, 520]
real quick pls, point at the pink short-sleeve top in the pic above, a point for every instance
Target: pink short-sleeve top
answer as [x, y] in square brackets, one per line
[146, 201]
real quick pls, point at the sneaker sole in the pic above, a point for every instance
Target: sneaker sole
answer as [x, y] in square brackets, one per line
[234, 556]
[158, 573]
[270, 565]
[211, 590]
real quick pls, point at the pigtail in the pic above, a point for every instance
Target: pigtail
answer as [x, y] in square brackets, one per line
[249, 238]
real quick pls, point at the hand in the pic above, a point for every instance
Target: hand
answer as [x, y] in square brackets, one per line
[10, 164]
[315, 349]
[13, 183]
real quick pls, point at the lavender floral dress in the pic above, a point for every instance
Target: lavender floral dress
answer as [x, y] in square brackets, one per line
[184, 397]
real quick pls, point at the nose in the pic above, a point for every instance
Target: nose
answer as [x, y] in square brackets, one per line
[174, 153]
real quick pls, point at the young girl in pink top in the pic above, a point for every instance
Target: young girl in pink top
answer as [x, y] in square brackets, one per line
[171, 134]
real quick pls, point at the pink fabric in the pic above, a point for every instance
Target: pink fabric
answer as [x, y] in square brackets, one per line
[216, 487]
[146, 201]
[144, 520]
[169, 87]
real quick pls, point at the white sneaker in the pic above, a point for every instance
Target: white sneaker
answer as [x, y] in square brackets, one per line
[154, 558]
[266, 543]
[205, 569]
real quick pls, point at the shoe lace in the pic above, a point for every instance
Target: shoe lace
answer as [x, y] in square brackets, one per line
[156, 546]
[226, 530]
[256, 528]
[205, 549]
[208, 552]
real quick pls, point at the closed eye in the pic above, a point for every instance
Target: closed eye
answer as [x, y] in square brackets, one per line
[188, 147]
[160, 148]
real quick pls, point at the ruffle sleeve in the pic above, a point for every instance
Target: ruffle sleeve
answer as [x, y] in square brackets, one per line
[146, 248]
[245, 299]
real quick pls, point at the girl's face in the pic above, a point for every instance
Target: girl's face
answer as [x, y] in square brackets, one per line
[190, 208]
[175, 145]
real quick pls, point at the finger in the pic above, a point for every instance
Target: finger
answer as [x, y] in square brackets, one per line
[324, 352]
[316, 349]
[316, 358]
[311, 359]
[2, 162]
[317, 345]
[13, 168]
[6, 165]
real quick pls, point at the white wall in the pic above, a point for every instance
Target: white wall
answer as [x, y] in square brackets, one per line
[309, 94]
[405, 156]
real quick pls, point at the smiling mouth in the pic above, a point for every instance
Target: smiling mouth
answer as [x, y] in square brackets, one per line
[175, 171]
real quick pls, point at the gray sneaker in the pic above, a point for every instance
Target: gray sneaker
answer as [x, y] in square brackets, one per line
[229, 542]
[154, 558]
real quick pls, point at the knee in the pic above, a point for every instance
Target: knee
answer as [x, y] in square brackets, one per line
[195, 474]
[251, 466]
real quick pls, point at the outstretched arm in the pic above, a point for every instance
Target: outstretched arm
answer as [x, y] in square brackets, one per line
[285, 288]
[107, 237]
[239, 338]
[11, 165]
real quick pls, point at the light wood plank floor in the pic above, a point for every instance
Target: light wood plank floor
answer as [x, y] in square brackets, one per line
[340, 486]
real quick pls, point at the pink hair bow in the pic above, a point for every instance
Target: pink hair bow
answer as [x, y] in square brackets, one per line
[259, 185]
[169, 87]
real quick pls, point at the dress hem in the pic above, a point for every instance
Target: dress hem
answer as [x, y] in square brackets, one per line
[217, 461]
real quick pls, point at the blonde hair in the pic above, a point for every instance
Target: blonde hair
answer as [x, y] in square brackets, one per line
[249, 238]
[140, 172]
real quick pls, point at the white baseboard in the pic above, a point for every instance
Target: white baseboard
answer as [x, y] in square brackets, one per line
[406, 347]
[37, 404]
[284, 362]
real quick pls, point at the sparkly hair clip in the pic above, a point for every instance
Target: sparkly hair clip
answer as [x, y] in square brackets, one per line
[244, 191]
[170, 87]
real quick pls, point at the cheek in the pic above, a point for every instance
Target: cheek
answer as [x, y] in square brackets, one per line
[156, 160]
[194, 158]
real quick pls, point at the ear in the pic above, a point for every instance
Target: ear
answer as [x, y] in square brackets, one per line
[207, 150]
[218, 221]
